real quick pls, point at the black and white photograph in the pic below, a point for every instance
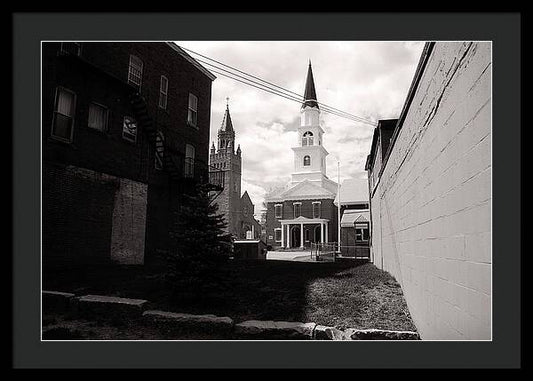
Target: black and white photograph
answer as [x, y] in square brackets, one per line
[266, 191]
[322, 190]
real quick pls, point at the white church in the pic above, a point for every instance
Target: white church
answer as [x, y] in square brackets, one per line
[303, 211]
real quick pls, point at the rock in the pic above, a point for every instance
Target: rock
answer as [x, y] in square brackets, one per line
[275, 330]
[55, 301]
[380, 334]
[178, 321]
[109, 307]
[329, 333]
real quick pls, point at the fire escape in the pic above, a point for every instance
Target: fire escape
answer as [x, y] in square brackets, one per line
[172, 160]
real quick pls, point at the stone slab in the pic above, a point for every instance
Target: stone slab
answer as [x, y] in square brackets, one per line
[329, 333]
[56, 301]
[380, 334]
[110, 306]
[269, 329]
[178, 321]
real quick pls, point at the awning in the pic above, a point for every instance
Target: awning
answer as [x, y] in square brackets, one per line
[351, 217]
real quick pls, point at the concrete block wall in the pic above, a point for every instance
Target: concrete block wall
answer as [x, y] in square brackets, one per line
[431, 209]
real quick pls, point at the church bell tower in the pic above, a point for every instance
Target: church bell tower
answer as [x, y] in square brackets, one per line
[310, 154]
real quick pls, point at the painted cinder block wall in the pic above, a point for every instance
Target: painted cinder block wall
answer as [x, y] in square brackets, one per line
[431, 209]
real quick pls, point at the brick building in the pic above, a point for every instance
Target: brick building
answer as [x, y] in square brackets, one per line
[125, 133]
[303, 212]
[250, 227]
[430, 193]
[238, 210]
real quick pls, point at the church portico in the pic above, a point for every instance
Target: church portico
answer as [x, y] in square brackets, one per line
[302, 231]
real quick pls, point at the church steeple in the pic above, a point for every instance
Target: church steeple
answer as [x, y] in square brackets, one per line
[310, 92]
[227, 125]
[226, 133]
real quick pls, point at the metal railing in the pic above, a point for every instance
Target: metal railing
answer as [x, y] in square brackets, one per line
[323, 251]
[332, 250]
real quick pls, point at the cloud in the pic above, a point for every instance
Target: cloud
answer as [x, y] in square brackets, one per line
[368, 79]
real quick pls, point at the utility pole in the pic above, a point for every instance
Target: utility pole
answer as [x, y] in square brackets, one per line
[339, 206]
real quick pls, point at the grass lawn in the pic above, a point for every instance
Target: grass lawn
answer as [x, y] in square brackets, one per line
[343, 294]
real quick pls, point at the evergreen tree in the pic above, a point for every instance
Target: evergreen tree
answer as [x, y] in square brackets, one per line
[200, 242]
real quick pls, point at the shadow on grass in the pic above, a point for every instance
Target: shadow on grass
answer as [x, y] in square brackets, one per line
[344, 294]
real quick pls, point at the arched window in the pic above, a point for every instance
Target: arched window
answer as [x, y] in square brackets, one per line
[307, 139]
[307, 160]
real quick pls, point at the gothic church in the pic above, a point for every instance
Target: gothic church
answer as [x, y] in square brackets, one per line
[238, 209]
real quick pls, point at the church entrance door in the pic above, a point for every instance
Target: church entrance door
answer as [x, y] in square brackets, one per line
[317, 234]
[295, 236]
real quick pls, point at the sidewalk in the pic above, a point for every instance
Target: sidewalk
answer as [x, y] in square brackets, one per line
[299, 255]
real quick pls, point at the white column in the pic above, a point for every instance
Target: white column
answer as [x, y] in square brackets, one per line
[321, 232]
[302, 235]
[326, 238]
[282, 235]
[288, 237]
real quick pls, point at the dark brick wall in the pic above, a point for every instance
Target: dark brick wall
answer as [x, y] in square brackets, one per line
[105, 152]
[183, 78]
[99, 75]
[77, 215]
[328, 211]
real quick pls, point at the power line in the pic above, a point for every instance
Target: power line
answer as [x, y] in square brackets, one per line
[337, 111]
[273, 88]
[279, 94]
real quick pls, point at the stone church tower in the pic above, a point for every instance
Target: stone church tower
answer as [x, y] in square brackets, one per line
[224, 157]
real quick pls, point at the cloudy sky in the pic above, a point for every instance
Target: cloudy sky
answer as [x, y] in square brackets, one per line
[368, 79]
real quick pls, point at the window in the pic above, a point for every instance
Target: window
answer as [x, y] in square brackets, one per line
[307, 139]
[189, 160]
[163, 92]
[129, 129]
[297, 209]
[277, 235]
[278, 209]
[316, 209]
[307, 161]
[73, 48]
[97, 117]
[63, 119]
[245, 211]
[135, 72]
[192, 116]
[361, 232]
[159, 150]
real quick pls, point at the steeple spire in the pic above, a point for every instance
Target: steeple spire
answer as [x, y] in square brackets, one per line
[227, 125]
[310, 92]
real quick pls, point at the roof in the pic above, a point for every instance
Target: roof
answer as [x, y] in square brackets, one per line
[385, 127]
[227, 125]
[304, 190]
[310, 92]
[195, 63]
[353, 191]
[426, 53]
[351, 217]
